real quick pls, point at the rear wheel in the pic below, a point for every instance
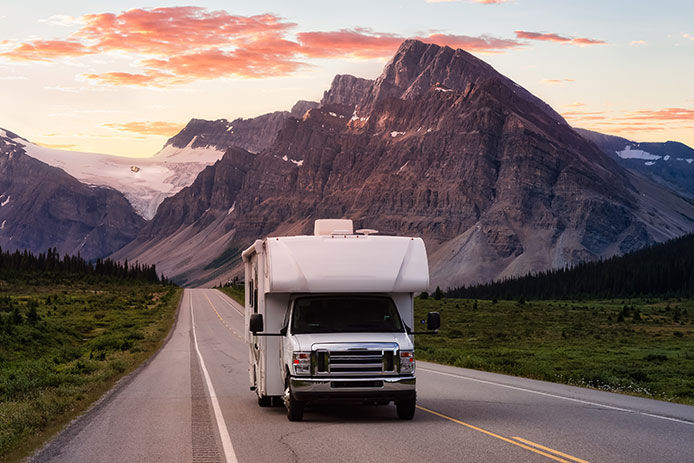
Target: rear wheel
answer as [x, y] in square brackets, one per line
[264, 400]
[406, 408]
[295, 408]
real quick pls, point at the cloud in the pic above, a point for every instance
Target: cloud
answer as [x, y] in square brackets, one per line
[666, 114]
[552, 37]
[147, 127]
[634, 121]
[177, 45]
[556, 81]
[46, 50]
[636, 43]
[365, 43]
[61, 20]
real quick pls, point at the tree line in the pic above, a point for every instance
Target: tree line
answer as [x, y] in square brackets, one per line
[20, 264]
[665, 269]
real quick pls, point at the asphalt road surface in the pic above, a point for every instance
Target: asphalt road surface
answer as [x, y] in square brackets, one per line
[192, 403]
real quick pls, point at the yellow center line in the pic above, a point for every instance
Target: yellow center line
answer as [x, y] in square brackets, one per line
[489, 433]
[577, 460]
[221, 319]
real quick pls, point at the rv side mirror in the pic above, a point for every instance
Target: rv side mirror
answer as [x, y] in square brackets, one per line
[256, 323]
[433, 321]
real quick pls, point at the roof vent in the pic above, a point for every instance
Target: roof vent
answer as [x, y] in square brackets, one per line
[327, 227]
[367, 231]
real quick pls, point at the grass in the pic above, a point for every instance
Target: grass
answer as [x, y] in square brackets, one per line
[642, 347]
[234, 292]
[63, 346]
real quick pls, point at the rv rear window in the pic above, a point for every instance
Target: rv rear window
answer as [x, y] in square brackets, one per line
[345, 314]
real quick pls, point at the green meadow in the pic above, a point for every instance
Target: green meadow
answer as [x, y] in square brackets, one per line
[64, 345]
[643, 347]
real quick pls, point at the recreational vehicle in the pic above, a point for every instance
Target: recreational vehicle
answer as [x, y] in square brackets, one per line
[330, 317]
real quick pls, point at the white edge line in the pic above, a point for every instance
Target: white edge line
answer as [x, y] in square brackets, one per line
[227, 447]
[610, 407]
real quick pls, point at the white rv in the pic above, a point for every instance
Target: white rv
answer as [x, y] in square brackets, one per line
[331, 317]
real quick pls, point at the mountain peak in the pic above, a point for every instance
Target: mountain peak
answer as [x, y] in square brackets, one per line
[417, 66]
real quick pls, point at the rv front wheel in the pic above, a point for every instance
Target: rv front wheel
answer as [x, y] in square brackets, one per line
[406, 408]
[264, 400]
[295, 408]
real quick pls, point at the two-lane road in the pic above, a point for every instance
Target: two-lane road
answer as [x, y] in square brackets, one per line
[192, 403]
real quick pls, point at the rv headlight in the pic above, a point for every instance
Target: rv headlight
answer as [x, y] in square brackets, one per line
[406, 362]
[301, 361]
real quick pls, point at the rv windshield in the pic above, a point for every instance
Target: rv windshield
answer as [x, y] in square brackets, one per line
[345, 314]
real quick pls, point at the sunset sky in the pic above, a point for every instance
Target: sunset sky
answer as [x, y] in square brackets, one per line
[90, 76]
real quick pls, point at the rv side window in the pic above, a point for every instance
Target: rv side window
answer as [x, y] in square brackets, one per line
[250, 293]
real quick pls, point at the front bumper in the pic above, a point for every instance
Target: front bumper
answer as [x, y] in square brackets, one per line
[350, 388]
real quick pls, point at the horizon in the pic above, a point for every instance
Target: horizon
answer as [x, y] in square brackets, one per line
[122, 81]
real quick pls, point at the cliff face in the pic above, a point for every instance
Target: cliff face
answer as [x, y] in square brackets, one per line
[440, 146]
[42, 207]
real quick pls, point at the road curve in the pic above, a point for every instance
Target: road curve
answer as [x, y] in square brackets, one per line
[192, 403]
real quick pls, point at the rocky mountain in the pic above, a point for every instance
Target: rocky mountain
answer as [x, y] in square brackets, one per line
[440, 146]
[43, 207]
[669, 163]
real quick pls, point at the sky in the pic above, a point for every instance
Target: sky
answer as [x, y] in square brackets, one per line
[91, 76]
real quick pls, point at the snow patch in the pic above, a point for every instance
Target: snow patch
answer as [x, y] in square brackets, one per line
[403, 166]
[395, 134]
[2, 226]
[357, 118]
[299, 163]
[666, 158]
[231, 209]
[5, 202]
[440, 89]
[285, 158]
[332, 114]
[690, 160]
[628, 153]
[649, 163]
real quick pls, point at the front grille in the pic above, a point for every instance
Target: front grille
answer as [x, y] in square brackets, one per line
[355, 360]
[347, 384]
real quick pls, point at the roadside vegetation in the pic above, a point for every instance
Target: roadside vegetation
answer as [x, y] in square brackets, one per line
[69, 330]
[636, 346]
[234, 289]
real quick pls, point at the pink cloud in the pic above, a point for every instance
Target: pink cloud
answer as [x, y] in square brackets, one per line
[147, 127]
[556, 81]
[46, 50]
[176, 45]
[364, 43]
[552, 37]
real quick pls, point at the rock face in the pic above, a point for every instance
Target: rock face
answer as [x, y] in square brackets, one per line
[670, 163]
[347, 90]
[253, 134]
[440, 146]
[42, 207]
